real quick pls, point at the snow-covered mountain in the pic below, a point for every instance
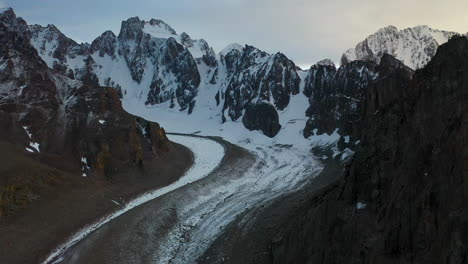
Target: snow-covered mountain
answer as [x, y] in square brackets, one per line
[51, 113]
[156, 70]
[150, 63]
[147, 59]
[415, 46]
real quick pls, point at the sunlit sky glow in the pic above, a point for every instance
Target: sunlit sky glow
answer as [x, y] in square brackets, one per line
[305, 30]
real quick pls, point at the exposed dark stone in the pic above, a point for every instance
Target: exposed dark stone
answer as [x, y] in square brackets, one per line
[263, 117]
[105, 44]
[256, 77]
[336, 97]
[65, 117]
[403, 197]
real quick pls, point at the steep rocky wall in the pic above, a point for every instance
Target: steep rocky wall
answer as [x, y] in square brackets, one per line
[404, 197]
[78, 128]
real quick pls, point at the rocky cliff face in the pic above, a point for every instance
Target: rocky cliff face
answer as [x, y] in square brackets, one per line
[149, 56]
[254, 77]
[335, 96]
[148, 61]
[413, 46]
[404, 197]
[51, 115]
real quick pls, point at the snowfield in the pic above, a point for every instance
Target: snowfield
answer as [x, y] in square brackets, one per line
[207, 156]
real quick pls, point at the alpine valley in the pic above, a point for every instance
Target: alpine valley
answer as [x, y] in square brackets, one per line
[265, 163]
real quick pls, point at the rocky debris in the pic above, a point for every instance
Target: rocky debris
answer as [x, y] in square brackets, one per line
[403, 198]
[263, 117]
[413, 46]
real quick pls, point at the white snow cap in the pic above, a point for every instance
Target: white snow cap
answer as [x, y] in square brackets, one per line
[159, 29]
[414, 46]
[230, 47]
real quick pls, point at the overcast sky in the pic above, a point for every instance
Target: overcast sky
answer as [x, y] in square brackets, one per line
[305, 30]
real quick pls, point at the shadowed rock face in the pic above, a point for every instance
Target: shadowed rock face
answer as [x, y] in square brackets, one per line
[404, 197]
[263, 117]
[255, 76]
[69, 120]
[335, 96]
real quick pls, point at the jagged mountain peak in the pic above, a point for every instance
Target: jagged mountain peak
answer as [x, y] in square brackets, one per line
[50, 31]
[108, 33]
[326, 62]
[134, 29]
[413, 46]
[162, 25]
[5, 9]
[11, 21]
[389, 28]
[158, 29]
[105, 44]
[231, 47]
[7, 12]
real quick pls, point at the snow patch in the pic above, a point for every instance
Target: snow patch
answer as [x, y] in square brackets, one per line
[360, 205]
[84, 166]
[33, 146]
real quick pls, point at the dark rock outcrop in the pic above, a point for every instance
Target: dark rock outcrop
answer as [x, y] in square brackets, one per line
[254, 77]
[68, 120]
[263, 117]
[106, 44]
[335, 96]
[404, 197]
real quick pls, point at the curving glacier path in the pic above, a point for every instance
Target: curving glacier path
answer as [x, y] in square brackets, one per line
[208, 155]
[179, 226]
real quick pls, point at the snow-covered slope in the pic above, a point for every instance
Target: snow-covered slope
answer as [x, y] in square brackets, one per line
[148, 60]
[415, 46]
[150, 64]
[62, 115]
[154, 68]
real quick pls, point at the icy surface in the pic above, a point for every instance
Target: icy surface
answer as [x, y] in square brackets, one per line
[207, 156]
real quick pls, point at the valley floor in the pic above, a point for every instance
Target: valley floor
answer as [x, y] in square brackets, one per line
[68, 202]
[180, 226]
